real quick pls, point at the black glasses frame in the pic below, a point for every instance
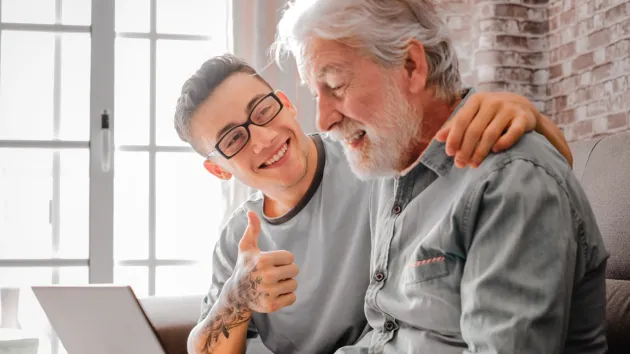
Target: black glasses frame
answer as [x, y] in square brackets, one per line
[246, 126]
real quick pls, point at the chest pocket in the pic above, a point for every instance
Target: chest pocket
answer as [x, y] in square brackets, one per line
[427, 268]
[431, 284]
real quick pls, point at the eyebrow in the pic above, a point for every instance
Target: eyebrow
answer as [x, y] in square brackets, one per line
[252, 103]
[331, 68]
[248, 109]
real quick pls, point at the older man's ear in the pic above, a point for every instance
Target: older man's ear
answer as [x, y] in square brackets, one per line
[416, 66]
[496, 121]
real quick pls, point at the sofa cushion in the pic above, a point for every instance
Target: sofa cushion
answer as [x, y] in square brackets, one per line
[606, 181]
[173, 318]
[581, 152]
[618, 315]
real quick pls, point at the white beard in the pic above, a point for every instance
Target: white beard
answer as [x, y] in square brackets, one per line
[384, 153]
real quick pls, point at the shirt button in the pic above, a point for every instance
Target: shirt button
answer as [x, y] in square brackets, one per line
[389, 326]
[397, 209]
[379, 276]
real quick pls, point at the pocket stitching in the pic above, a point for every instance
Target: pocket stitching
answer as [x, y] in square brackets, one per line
[444, 271]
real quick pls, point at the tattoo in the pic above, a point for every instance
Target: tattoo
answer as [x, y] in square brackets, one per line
[236, 310]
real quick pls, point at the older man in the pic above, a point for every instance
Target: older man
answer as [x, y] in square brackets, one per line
[504, 258]
[312, 212]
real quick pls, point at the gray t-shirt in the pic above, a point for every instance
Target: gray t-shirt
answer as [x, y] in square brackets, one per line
[329, 236]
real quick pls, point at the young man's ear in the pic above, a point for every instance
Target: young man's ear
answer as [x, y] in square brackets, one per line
[217, 170]
[285, 101]
[416, 66]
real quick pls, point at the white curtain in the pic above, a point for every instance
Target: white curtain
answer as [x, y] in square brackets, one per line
[254, 25]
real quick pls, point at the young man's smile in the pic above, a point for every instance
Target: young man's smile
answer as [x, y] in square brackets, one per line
[279, 157]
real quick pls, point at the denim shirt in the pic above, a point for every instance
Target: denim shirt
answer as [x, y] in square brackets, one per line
[505, 258]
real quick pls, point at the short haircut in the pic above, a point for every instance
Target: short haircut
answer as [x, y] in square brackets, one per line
[201, 85]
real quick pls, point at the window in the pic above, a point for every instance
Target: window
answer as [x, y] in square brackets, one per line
[152, 219]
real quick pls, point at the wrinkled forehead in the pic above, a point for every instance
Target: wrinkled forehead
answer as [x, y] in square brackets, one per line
[320, 57]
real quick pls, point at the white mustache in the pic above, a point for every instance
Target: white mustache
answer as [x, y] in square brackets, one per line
[346, 128]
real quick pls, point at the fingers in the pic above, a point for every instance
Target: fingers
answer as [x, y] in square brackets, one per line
[282, 288]
[284, 300]
[490, 136]
[496, 125]
[460, 123]
[517, 129]
[474, 133]
[277, 296]
[275, 258]
[249, 241]
[442, 134]
[276, 274]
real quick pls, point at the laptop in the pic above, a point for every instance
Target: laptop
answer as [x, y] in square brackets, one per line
[99, 319]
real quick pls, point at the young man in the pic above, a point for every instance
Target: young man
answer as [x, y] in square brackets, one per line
[503, 258]
[311, 213]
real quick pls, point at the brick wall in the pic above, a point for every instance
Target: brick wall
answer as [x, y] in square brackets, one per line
[570, 57]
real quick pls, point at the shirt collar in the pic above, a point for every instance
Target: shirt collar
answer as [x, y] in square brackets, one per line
[435, 157]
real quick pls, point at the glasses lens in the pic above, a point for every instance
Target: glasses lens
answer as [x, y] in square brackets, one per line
[265, 110]
[233, 141]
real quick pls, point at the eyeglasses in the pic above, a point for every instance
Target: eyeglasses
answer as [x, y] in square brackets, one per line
[235, 139]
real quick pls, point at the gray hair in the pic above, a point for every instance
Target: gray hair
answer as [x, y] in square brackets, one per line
[380, 28]
[201, 85]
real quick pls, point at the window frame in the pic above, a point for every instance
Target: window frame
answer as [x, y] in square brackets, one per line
[101, 260]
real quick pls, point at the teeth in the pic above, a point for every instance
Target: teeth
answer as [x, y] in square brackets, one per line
[277, 156]
[354, 137]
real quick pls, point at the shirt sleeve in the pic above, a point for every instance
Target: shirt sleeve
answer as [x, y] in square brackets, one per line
[518, 277]
[223, 262]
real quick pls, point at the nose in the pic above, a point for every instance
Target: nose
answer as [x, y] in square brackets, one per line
[261, 137]
[327, 114]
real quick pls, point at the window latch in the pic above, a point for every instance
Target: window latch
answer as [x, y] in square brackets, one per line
[106, 142]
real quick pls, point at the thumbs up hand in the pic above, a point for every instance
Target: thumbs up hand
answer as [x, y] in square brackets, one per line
[264, 280]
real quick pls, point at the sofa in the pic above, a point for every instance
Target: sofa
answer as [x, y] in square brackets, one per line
[602, 165]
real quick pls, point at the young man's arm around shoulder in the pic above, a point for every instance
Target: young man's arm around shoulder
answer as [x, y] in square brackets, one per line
[261, 281]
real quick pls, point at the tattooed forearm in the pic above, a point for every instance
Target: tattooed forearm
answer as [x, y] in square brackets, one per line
[235, 310]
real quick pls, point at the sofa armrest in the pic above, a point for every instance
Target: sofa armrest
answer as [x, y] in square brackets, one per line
[173, 318]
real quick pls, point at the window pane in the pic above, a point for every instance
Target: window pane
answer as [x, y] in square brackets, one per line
[61, 350]
[132, 15]
[74, 199]
[188, 207]
[25, 194]
[192, 17]
[132, 91]
[182, 280]
[135, 276]
[176, 62]
[76, 12]
[26, 80]
[19, 277]
[75, 87]
[74, 275]
[26, 182]
[131, 205]
[31, 316]
[28, 11]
